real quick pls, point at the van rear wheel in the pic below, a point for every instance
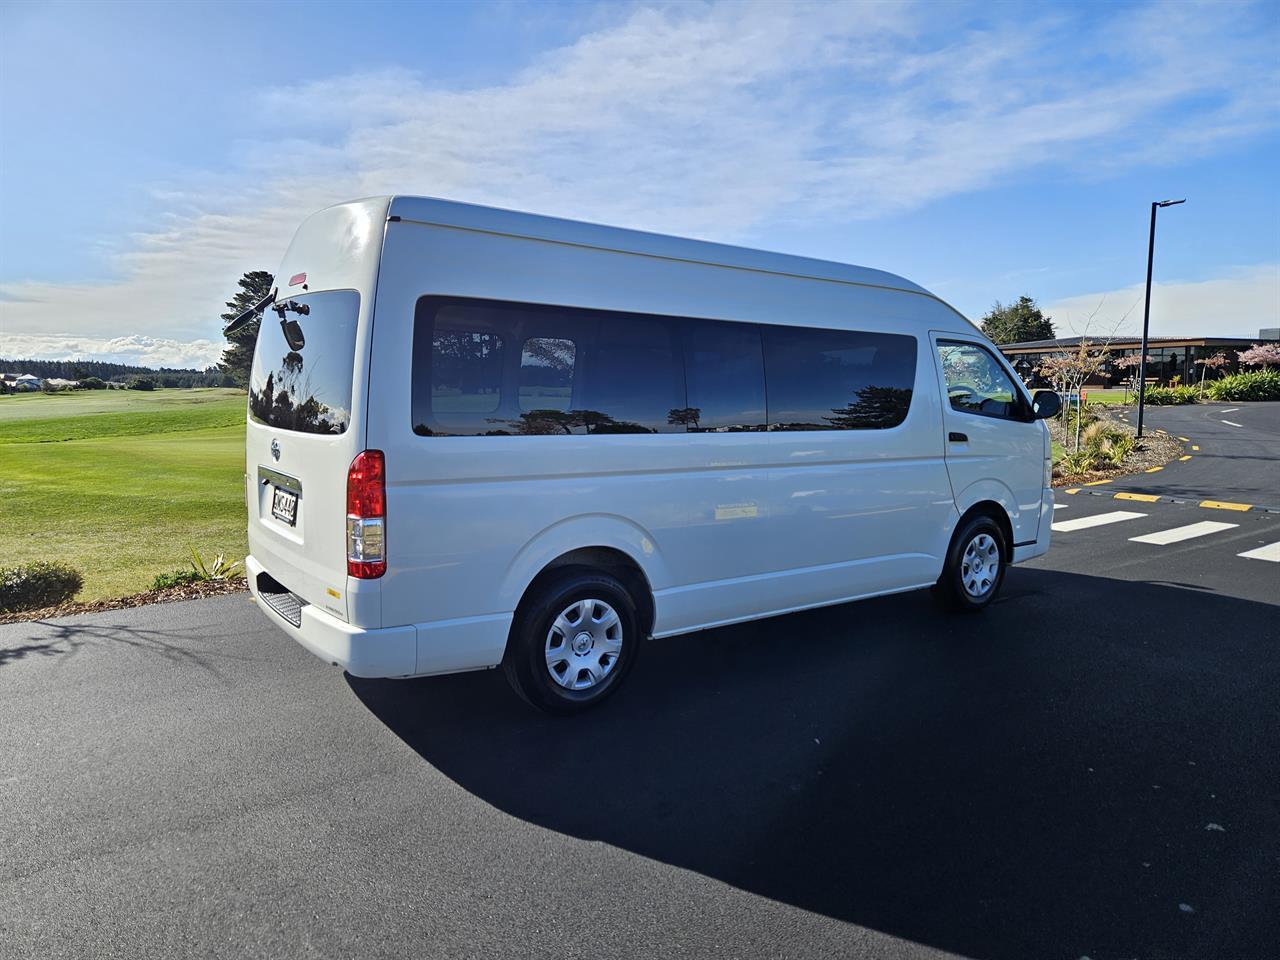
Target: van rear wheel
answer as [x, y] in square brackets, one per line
[573, 643]
[976, 561]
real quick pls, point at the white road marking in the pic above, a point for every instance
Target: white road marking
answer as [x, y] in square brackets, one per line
[1229, 410]
[1230, 423]
[1097, 520]
[1189, 532]
[1270, 552]
[1061, 506]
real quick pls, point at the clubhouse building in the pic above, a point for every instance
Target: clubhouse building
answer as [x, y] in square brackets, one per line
[1168, 357]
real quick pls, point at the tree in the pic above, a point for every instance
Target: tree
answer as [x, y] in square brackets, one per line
[1261, 355]
[1069, 369]
[238, 357]
[1017, 322]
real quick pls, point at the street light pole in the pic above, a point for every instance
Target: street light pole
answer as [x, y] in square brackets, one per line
[1146, 310]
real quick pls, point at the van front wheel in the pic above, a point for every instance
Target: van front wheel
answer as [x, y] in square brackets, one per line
[573, 643]
[975, 566]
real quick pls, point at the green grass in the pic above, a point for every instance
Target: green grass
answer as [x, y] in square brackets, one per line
[146, 478]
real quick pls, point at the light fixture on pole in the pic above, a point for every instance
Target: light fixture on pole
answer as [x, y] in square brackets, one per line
[1146, 310]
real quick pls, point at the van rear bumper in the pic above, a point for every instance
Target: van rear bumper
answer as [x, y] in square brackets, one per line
[389, 652]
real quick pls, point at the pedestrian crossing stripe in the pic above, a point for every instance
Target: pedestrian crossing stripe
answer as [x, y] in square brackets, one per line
[1163, 538]
[1097, 520]
[1270, 552]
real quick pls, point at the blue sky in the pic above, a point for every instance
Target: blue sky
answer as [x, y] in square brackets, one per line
[150, 153]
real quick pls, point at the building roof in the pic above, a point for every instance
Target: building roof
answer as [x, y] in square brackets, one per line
[1126, 343]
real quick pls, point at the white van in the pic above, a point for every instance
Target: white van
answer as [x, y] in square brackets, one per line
[480, 437]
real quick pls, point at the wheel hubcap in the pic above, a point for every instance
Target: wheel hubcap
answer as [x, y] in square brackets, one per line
[980, 565]
[583, 644]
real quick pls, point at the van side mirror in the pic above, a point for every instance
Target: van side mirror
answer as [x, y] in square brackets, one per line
[1045, 404]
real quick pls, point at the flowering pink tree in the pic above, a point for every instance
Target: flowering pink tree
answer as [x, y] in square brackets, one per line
[1069, 369]
[1261, 355]
[1133, 364]
[1216, 362]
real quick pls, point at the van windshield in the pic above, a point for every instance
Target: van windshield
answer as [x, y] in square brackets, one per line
[301, 378]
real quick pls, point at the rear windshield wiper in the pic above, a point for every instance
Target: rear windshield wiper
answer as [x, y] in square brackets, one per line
[292, 330]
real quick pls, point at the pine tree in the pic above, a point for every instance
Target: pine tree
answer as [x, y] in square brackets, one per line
[238, 357]
[1017, 322]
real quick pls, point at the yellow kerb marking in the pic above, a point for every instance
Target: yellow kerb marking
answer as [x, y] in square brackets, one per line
[1072, 490]
[1154, 469]
[1096, 483]
[1144, 497]
[1225, 505]
[1185, 439]
[1183, 458]
[1194, 447]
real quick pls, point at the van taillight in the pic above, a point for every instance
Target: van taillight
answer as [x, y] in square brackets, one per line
[366, 516]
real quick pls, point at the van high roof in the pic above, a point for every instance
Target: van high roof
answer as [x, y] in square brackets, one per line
[470, 216]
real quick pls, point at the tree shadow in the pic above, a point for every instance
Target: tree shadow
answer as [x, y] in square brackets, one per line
[74, 635]
[1007, 785]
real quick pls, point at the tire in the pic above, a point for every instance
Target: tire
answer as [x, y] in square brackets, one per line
[968, 582]
[573, 642]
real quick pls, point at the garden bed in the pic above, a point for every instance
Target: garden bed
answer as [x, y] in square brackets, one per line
[185, 591]
[1153, 450]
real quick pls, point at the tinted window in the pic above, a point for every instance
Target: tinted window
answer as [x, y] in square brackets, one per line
[837, 379]
[546, 374]
[306, 386]
[724, 370]
[527, 369]
[976, 383]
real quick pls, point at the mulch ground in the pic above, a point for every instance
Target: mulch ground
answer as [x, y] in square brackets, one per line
[185, 591]
[1154, 450]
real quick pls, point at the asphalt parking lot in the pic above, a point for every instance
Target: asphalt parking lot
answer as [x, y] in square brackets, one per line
[1091, 768]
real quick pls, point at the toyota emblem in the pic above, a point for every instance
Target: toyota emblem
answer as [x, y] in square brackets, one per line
[275, 449]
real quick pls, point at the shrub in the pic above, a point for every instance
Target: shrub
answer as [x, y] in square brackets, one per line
[220, 569]
[36, 585]
[174, 578]
[1118, 449]
[1170, 396]
[92, 383]
[142, 383]
[1258, 385]
[1080, 462]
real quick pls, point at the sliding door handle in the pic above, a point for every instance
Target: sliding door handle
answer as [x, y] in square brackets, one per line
[958, 437]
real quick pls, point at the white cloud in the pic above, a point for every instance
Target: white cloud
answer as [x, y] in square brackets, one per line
[713, 120]
[1236, 305]
[137, 350]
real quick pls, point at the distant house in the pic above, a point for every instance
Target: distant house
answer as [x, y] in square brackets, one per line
[26, 381]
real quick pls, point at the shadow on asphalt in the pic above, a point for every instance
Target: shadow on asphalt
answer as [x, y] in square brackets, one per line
[999, 786]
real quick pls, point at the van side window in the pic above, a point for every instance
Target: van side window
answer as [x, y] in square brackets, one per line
[724, 367]
[546, 374]
[976, 383]
[837, 379]
[466, 373]
[568, 371]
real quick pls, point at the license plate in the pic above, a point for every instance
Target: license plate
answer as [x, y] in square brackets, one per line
[284, 506]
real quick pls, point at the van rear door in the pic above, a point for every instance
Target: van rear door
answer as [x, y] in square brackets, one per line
[301, 440]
